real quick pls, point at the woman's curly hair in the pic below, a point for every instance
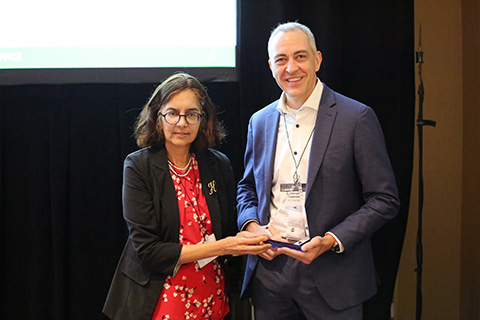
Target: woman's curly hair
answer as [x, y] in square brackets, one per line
[148, 127]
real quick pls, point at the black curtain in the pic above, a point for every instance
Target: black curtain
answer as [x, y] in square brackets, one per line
[62, 149]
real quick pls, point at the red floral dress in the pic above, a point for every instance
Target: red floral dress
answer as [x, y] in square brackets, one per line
[193, 292]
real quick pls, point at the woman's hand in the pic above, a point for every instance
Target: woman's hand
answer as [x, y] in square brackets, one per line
[268, 231]
[245, 243]
[242, 243]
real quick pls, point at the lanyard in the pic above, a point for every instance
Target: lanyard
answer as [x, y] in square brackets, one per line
[296, 177]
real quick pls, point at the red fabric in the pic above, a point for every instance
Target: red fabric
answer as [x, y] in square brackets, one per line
[193, 292]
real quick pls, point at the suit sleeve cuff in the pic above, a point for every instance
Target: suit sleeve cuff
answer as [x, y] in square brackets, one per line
[247, 222]
[340, 245]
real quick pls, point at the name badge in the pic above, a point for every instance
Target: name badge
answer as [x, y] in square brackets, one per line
[293, 205]
[204, 262]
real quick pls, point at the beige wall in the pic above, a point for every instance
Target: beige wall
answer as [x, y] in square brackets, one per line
[470, 280]
[450, 41]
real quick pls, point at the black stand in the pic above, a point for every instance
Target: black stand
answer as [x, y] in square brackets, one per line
[420, 124]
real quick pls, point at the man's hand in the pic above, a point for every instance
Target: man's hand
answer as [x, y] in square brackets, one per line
[311, 250]
[271, 253]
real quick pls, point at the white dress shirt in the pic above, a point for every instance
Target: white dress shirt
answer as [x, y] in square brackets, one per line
[296, 127]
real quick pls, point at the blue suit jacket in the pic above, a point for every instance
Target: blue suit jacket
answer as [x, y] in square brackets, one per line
[351, 191]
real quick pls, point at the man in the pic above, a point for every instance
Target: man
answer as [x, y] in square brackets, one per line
[316, 168]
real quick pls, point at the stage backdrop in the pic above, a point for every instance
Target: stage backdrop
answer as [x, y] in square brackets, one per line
[62, 149]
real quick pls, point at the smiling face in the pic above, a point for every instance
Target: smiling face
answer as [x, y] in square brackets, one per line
[180, 136]
[294, 65]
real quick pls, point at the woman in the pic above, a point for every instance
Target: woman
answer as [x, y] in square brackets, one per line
[178, 199]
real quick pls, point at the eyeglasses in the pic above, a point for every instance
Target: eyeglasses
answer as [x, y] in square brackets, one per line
[173, 117]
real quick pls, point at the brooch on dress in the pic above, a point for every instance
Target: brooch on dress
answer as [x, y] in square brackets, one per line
[212, 187]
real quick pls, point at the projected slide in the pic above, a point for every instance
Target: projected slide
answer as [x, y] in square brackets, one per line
[117, 34]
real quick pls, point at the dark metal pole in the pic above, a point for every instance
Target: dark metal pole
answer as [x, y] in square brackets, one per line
[420, 124]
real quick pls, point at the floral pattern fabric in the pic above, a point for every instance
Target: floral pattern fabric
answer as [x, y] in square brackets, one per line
[193, 292]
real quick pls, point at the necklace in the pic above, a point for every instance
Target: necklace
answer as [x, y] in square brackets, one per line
[172, 167]
[200, 218]
[295, 175]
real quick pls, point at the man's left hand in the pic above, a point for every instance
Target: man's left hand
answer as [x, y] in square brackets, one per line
[311, 250]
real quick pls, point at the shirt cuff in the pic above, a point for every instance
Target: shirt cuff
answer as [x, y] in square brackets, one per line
[340, 245]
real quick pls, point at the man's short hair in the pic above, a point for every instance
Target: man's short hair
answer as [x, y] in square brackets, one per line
[290, 26]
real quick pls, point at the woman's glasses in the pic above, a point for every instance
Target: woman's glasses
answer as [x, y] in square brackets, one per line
[173, 117]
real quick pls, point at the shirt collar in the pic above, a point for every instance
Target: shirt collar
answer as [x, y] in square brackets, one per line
[312, 102]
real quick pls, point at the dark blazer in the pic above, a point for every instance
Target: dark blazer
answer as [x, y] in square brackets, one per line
[151, 211]
[351, 191]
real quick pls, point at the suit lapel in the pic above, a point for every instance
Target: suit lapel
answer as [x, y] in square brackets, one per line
[210, 187]
[162, 173]
[269, 147]
[326, 116]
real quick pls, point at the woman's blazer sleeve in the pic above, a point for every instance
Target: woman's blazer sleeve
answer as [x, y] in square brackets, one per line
[150, 210]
